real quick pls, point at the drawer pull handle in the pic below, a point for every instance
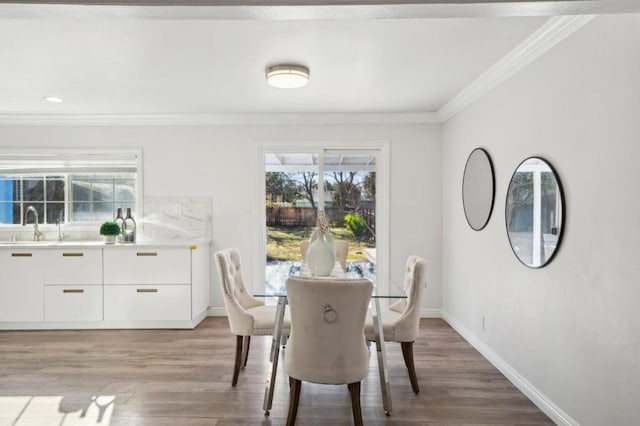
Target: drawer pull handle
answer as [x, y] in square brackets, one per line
[72, 290]
[147, 253]
[72, 254]
[21, 254]
[147, 290]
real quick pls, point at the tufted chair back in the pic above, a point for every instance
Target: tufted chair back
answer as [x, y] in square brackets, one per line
[236, 297]
[327, 342]
[415, 280]
[342, 251]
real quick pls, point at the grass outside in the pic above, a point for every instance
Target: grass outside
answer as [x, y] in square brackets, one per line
[283, 243]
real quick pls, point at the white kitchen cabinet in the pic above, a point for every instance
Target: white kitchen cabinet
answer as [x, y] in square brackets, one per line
[73, 266]
[67, 286]
[21, 284]
[73, 284]
[200, 281]
[147, 265]
[73, 303]
[147, 302]
[147, 284]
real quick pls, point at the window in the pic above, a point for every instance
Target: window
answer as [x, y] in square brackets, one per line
[95, 198]
[292, 197]
[45, 193]
[71, 187]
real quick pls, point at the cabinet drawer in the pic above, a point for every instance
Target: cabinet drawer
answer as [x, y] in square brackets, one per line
[147, 302]
[73, 267]
[147, 266]
[73, 303]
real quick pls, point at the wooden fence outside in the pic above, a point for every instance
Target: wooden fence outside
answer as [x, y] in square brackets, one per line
[305, 216]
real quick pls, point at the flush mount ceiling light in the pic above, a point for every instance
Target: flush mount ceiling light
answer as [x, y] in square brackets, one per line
[53, 99]
[287, 76]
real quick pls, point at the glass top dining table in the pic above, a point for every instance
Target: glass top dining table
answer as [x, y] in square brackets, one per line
[383, 291]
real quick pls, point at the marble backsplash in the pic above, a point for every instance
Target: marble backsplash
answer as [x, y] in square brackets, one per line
[164, 219]
[177, 218]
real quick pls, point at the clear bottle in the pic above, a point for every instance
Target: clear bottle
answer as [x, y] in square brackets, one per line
[129, 228]
[120, 221]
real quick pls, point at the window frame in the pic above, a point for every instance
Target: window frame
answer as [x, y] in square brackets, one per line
[381, 147]
[70, 155]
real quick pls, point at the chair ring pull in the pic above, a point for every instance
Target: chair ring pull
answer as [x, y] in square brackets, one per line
[329, 314]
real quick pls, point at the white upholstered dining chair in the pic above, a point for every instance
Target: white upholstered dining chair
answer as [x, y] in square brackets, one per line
[401, 320]
[342, 251]
[247, 315]
[327, 343]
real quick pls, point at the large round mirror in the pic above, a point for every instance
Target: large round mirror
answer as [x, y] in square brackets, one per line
[534, 212]
[478, 189]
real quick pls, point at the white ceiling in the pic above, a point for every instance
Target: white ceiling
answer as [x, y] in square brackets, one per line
[128, 65]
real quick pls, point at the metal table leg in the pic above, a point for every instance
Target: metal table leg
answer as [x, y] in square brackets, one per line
[274, 355]
[382, 358]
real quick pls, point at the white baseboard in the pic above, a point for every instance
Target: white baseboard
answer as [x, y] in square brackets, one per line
[216, 312]
[101, 325]
[534, 394]
[431, 313]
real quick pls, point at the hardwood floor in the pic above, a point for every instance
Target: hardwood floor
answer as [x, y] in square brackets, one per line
[183, 377]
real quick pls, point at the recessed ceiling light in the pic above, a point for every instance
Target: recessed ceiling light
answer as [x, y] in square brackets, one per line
[287, 76]
[53, 99]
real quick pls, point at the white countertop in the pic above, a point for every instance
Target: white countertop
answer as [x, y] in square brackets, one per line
[99, 244]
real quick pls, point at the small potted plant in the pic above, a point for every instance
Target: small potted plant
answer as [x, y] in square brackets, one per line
[110, 230]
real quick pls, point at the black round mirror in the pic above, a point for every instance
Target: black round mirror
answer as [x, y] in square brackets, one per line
[478, 189]
[534, 212]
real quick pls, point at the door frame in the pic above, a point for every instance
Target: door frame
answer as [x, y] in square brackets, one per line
[383, 198]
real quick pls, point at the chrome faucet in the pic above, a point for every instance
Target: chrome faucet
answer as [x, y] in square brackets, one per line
[59, 223]
[36, 231]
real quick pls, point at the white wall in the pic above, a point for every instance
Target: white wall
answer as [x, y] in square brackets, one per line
[571, 329]
[220, 161]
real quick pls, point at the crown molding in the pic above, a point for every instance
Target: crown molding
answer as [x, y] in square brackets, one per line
[215, 119]
[305, 9]
[544, 38]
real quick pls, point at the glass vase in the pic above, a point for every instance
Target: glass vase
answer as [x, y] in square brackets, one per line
[129, 228]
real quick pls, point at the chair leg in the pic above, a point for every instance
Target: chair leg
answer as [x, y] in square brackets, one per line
[354, 390]
[245, 350]
[407, 353]
[238, 360]
[294, 397]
